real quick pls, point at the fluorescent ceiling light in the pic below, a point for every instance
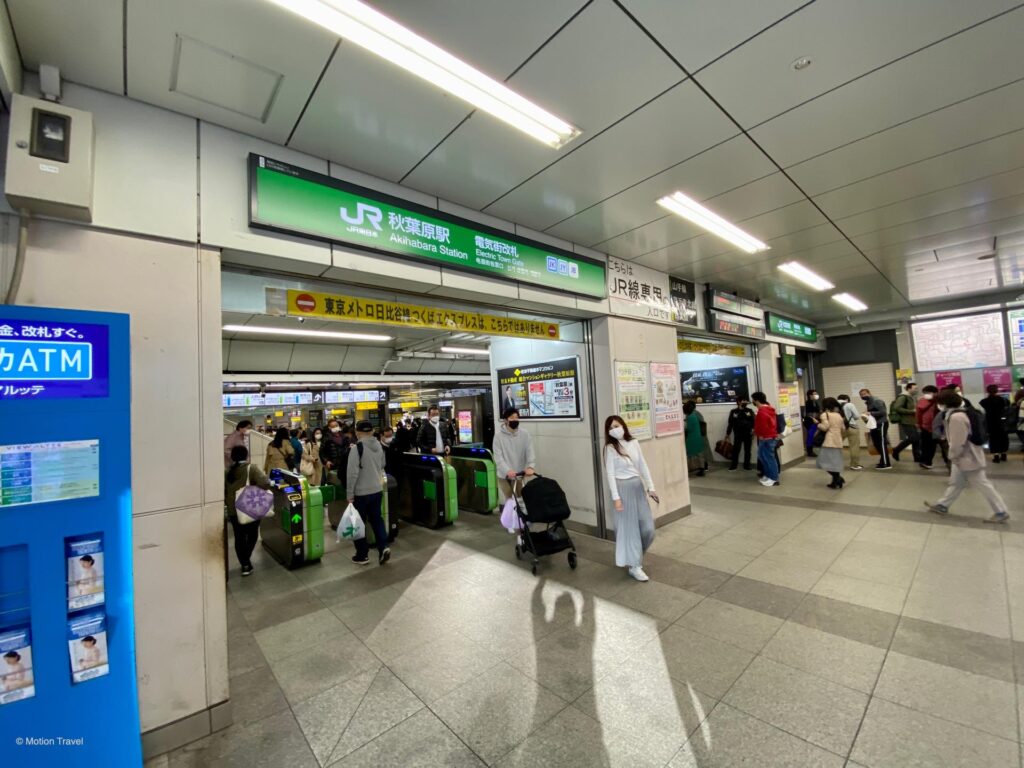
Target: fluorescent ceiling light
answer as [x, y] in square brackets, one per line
[384, 384]
[304, 332]
[465, 351]
[360, 24]
[691, 210]
[850, 302]
[798, 271]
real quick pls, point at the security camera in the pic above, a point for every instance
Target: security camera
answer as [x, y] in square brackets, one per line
[302, 320]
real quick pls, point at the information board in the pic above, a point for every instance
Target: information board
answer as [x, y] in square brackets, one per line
[40, 360]
[667, 398]
[287, 198]
[1015, 319]
[37, 472]
[790, 328]
[968, 341]
[633, 397]
[1000, 377]
[544, 390]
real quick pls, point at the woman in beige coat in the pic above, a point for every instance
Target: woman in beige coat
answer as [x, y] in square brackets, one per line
[280, 454]
[830, 455]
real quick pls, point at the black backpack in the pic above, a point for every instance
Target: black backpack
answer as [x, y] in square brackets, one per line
[780, 423]
[979, 432]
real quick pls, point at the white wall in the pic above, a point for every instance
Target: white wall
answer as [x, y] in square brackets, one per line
[768, 361]
[172, 293]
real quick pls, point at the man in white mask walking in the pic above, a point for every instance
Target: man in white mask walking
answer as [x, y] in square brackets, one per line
[431, 438]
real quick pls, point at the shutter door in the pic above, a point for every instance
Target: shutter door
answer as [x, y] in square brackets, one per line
[880, 378]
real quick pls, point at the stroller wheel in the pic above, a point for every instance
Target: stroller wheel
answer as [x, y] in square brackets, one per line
[519, 553]
[572, 560]
[534, 569]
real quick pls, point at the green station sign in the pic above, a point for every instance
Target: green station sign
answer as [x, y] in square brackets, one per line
[793, 329]
[292, 200]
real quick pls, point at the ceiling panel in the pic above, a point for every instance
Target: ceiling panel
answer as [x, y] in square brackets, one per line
[736, 263]
[698, 31]
[594, 72]
[968, 122]
[844, 39]
[84, 39]
[642, 145]
[732, 164]
[982, 58]
[317, 358]
[247, 36]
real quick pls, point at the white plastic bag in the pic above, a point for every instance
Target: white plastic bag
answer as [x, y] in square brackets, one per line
[509, 518]
[351, 525]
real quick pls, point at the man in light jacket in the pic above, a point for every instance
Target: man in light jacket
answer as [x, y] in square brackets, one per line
[239, 437]
[513, 452]
[365, 488]
[968, 462]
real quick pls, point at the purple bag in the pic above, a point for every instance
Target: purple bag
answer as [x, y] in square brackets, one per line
[509, 518]
[253, 503]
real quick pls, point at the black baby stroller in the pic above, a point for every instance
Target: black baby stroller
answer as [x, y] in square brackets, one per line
[542, 501]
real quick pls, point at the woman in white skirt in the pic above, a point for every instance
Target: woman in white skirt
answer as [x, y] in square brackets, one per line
[832, 424]
[629, 482]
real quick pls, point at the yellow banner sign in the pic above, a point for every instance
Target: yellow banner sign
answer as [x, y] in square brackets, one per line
[352, 309]
[710, 348]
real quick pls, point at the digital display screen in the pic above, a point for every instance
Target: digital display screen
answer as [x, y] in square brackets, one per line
[44, 360]
[34, 473]
[716, 385]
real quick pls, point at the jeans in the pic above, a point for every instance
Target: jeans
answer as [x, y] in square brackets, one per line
[958, 480]
[879, 436]
[741, 439]
[370, 509]
[909, 435]
[928, 446]
[246, 536]
[809, 441]
[767, 459]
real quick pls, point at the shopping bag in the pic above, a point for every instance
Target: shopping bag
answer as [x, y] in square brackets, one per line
[509, 517]
[253, 503]
[351, 526]
[724, 448]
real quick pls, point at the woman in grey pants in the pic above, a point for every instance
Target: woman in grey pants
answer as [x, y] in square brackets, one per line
[629, 482]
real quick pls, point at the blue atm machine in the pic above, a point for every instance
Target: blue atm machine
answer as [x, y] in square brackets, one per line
[68, 694]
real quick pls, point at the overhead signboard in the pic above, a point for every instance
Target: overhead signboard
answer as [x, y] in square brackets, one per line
[353, 309]
[354, 396]
[638, 291]
[727, 302]
[544, 390]
[710, 348]
[735, 325]
[780, 325]
[286, 198]
[44, 360]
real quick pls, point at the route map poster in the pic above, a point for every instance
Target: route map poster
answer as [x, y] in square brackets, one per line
[545, 390]
[971, 341]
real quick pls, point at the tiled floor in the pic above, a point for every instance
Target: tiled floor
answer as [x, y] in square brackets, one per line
[792, 626]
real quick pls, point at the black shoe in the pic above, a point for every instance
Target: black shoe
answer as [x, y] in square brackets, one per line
[385, 555]
[748, 468]
[995, 459]
[883, 466]
[732, 469]
[360, 561]
[700, 473]
[895, 455]
[247, 570]
[833, 486]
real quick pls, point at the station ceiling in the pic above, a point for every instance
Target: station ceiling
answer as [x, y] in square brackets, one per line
[893, 164]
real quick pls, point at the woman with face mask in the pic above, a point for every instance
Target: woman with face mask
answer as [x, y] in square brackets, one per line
[630, 483]
[925, 412]
[310, 464]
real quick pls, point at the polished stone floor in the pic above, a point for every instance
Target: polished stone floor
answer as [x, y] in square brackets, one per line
[790, 626]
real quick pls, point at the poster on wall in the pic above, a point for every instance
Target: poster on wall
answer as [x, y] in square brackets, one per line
[789, 404]
[17, 679]
[904, 376]
[1015, 319]
[465, 427]
[545, 390]
[949, 379]
[667, 398]
[84, 556]
[717, 385]
[633, 397]
[1001, 377]
[87, 646]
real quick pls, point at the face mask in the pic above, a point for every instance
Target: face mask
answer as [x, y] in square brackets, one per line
[513, 425]
[317, 435]
[942, 407]
[814, 397]
[928, 396]
[335, 430]
[386, 441]
[435, 420]
[744, 405]
[866, 398]
[617, 432]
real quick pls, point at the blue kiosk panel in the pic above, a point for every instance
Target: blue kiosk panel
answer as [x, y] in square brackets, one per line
[68, 692]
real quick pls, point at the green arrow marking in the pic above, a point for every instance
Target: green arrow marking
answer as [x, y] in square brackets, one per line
[296, 518]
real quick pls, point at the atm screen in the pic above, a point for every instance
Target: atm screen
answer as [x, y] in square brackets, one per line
[33, 473]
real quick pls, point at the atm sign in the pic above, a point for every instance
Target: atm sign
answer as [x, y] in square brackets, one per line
[41, 360]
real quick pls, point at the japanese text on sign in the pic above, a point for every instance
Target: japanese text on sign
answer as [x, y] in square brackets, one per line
[50, 360]
[546, 390]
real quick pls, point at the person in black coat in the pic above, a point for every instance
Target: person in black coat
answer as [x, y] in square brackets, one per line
[741, 427]
[812, 414]
[995, 407]
[432, 437]
[334, 450]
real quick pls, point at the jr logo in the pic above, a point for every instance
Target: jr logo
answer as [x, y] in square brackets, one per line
[364, 213]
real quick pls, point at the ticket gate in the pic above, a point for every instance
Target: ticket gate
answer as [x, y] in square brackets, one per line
[428, 491]
[294, 536]
[476, 477]
[335, 502]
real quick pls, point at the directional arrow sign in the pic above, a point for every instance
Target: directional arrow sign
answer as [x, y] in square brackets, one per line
[296, 518]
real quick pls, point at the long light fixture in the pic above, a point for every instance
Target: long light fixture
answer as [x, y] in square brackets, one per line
[304, 332]
[465, 351]
[850, 302]
[692, 211]
[371, 385]
[799, 272]
[368, 28]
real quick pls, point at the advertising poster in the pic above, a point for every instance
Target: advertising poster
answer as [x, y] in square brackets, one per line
[465, 427]
[667, 398]
[545, 390]
[904, 375]
[718, 385]
[87, 646]
[17, 680]
[633, 395]
[948, 378]
[789, 404]
[85, 571]
[1001, 377]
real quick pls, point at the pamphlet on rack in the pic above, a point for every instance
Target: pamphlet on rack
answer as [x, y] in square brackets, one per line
[17, 680]
[85, 571]
[87, 645]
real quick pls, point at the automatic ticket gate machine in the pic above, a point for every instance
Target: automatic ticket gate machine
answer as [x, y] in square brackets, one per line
[294, 535]
[476, 478]
[335, 502]
[428, 490]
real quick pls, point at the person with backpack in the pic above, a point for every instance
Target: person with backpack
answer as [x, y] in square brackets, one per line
[236, 477]
[903, 412]
[741, 427]
[995, 408]
[965, 432]
[766, 427]
[830, 428]
[812, 412]
[280, 454]
[924, 416]
[880, 434]
[364, 484]
[852, 431]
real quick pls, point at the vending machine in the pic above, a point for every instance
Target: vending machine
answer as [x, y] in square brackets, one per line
[68, 693]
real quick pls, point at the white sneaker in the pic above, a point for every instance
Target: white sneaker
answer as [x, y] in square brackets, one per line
[637, 572]
[766, 482]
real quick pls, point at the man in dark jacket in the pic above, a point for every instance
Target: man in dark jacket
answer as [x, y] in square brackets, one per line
[432, 436]
[904, 408]
[880, 434]
[741, 427]
[812, 412]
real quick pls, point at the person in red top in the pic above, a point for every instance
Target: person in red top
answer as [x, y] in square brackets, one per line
[766, 427]
[925, 415]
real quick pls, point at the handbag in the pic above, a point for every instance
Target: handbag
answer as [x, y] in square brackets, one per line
[724, 448]
[819, 438]
[351, 526]
[253, 503]
[307, 466]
